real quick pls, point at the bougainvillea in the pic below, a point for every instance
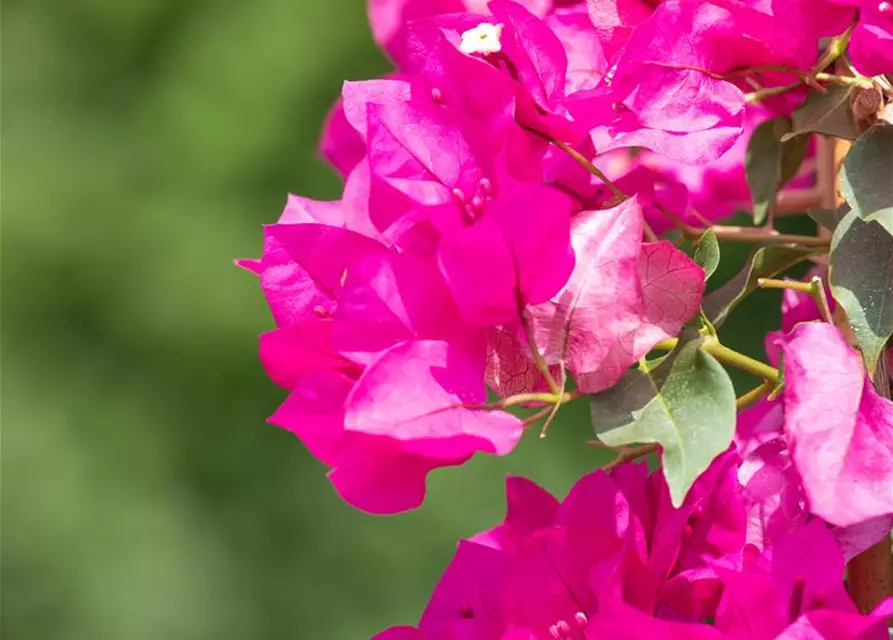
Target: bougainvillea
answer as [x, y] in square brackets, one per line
[532, 209]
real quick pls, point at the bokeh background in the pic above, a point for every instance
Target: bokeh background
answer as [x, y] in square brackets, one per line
[144, 142]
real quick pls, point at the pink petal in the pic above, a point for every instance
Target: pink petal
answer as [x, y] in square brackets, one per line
[621, 298]
[376, 475]
[480, 270]
[529, 507]
[510, 366]
[836, 625]
[289, 354]
[752, 605]
[314, 411]
[871, 46]
[420, 152]
[535, 220]
[810, 563]
[299, 210]
[537, 54]
[595, 502]
[303, 265]
[357, 96]
[389, 298]
[586, 59]
[627, 623]
[481, 95]
[855, 539]
[340, 144]
[771, 485]
[400, 633]
[548, 579]
[466, 602]
[840, 429]
[614, 20]
[417, 394]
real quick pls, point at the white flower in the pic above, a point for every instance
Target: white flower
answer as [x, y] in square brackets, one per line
[483, 39]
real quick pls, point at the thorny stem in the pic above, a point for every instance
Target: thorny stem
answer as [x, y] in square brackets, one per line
[815, 287]
[729, 357]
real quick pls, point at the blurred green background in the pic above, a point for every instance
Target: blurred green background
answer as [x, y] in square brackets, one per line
[144, 142]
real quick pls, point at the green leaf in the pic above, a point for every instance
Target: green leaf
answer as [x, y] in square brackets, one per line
[707, 253]
[771, 162]
[686, 404]
[829, 218]
[827, 112]
[862, 282]
[765, 262]
[866, 179]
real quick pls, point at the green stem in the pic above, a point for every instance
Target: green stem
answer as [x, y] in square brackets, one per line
[546, 398]
[753, 235]
[729, 357]
[741, 361]
[753, 396]
[815, 288]
[598, 173]
[834, 50]
[836, 47]
[556, 406]
[627, 454]
[538, 359]
[758, 96]
[847, 81]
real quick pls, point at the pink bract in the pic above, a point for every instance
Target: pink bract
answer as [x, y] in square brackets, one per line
[621, 299]
[840, 429]
[610, 561]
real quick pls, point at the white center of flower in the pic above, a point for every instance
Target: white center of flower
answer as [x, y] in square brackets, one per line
[483, 39]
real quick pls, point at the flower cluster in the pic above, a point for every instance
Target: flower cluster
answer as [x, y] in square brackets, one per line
[528, 215]
[615, 559]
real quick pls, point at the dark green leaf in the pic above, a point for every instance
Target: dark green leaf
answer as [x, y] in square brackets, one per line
[867, 176]
[707, 253]
[771, 162]
[765, 262]
[686, 404]
[862, 281]
[829, 218]
[828, 113]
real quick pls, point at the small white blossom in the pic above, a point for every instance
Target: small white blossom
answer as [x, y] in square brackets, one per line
[483, 39]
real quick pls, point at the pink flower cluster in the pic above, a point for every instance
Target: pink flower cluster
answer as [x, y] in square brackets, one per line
[757, 550]
[616, 560]
[464, 233]
[495, 243]
[824, 446]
